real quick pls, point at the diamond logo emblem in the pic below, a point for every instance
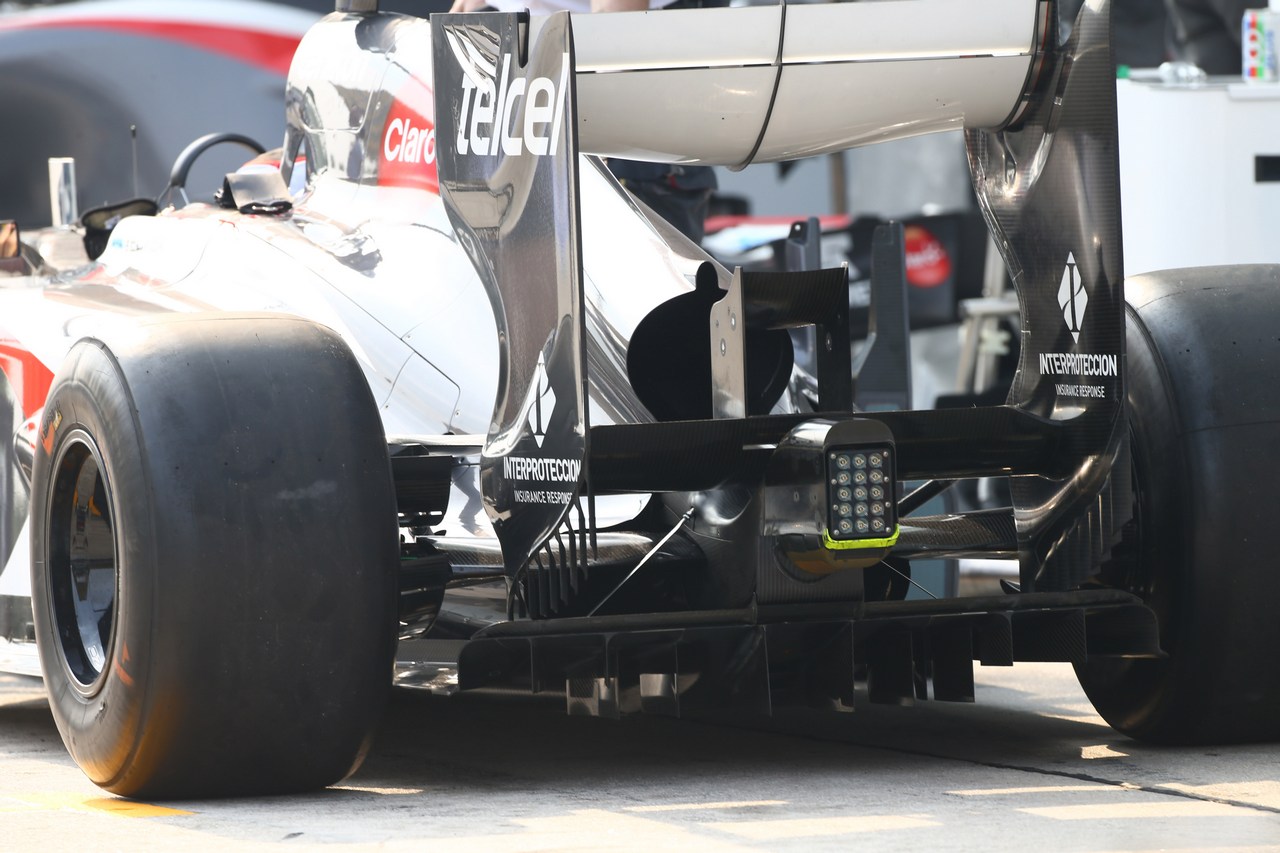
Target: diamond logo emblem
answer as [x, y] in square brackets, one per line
[544, 402]
[1072, 297]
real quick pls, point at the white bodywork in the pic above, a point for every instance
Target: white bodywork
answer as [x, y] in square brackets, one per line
[762, 83]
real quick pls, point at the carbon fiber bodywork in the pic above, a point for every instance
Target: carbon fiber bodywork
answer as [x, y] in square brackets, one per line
[1066, 264]
[751, 615]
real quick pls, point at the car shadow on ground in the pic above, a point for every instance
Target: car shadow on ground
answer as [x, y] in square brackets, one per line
[517, 739]
[475, 747]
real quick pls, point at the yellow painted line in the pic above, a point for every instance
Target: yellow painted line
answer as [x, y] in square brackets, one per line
[694, 807]
[1042, 789]
[96, 805]
[779, 830]
[1166, 808]
[131, 808]
[13, 804]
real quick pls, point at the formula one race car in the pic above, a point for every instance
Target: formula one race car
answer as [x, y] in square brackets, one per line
[463, 387]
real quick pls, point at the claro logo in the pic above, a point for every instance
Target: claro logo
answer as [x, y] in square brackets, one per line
[407, 143]
[534, 104]
[408, 154]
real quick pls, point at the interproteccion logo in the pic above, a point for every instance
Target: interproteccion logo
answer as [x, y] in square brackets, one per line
[1073, 298]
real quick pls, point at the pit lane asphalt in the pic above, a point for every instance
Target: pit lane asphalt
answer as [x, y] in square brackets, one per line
[1028, 766]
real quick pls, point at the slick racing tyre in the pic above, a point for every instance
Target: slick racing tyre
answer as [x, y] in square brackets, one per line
[1204, 416]
[214, 549]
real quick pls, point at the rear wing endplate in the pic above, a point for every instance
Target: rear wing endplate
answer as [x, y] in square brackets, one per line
[507, 162]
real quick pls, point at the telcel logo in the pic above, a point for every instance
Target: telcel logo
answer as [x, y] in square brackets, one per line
[485, 117]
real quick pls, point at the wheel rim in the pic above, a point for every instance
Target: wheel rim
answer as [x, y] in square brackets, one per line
[83, 573]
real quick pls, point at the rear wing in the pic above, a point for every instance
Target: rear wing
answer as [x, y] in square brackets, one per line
[1046, 172]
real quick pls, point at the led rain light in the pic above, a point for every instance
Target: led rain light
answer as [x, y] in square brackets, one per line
[860, 489]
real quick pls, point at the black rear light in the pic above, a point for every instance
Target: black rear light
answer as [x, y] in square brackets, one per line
[861, 497]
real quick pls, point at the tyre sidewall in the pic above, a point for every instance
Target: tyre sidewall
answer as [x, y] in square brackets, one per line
[256, 556]
[1204, 416]
[1135, 696]
[103, 732]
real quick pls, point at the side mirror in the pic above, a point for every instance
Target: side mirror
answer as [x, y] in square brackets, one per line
[10, 245]
[11, 260]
